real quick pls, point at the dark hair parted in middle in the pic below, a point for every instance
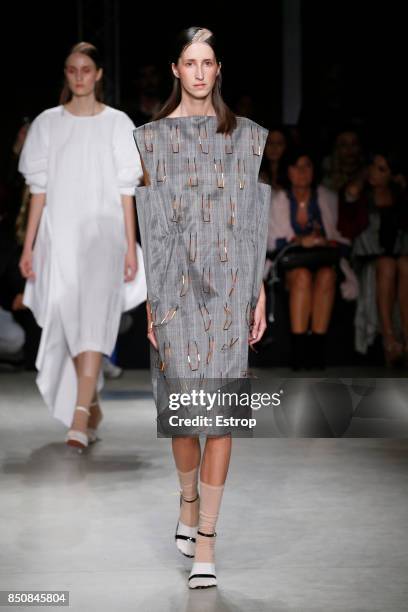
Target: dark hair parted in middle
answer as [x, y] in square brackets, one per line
[227, 120]
[293, 155]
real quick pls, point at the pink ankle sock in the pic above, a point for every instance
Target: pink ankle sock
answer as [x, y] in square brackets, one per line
[210, 502]
[189, 491]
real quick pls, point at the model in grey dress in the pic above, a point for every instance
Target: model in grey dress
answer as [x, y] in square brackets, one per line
[203, 220]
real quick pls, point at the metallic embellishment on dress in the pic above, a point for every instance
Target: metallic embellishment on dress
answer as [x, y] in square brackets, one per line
[205, 315]
[228, 317]
[256, 143]
[249, 315]
[185, 283]
[166, 353]
[206, 208]
[210, 351]
[192, 172]
[152, 316]
[177, 209]
[161, 171]
[167, 317]
[229, 344]
[222, 249]
[192, 247]
[148, 138]
[204, 146]
[246, 374]
[158, 364]
[241, 173]
[219, 172]
[206, 282]
[234, 277]
[193, 360]
[161, 364]
[228, 144]
[175, 138]
[231, 221]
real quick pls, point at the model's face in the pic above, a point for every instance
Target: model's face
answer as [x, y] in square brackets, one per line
[275, 146]
[301, 173]
[348, 146]
[81, 74]
[197, 69]
[379, 173]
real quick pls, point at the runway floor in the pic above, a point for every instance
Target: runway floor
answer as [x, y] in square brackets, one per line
[306, 525]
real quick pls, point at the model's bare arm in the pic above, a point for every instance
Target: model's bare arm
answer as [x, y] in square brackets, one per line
[128, 205]
[36, 206]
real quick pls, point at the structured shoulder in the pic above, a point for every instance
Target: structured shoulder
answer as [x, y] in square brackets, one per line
[151, 125]
[246, 122]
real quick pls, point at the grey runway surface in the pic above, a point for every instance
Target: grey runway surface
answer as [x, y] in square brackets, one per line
[306, 525]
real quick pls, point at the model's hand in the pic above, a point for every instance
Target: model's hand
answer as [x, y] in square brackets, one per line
[130, 265]
[26, 264]
[18, 303]
[259, 324]
[312, 240]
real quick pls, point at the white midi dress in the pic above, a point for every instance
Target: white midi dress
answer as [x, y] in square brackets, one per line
[83, 164]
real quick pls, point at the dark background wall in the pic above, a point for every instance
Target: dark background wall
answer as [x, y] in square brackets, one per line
[353, 66]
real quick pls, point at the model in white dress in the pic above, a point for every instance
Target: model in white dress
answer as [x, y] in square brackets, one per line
[83, 164]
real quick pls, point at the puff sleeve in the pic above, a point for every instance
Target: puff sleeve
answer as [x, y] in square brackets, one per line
[33, 163]
[127, 159]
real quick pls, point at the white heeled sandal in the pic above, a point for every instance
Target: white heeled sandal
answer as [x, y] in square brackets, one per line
[77, 438]
[93, 431]
[185, 535]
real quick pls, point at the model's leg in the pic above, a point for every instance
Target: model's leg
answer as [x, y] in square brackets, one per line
[299, 282]
[95, 418]
[187, 456]
[214, 469]
[386, 274]
[324, 288]
[96, 411]
[87, 365]
[323, 293]
[402, 264]
[300, 299]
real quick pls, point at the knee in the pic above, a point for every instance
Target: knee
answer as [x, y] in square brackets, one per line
[301, 279]
[402, 265]
[326, 278]
[386, 267]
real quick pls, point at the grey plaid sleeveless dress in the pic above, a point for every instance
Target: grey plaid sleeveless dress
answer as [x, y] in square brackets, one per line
[203, 219]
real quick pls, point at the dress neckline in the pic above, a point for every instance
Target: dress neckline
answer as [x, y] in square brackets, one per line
[191, 117]
[66, 111]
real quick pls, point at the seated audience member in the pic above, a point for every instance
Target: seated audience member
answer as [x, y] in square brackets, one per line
[302, 215]
[380, 252]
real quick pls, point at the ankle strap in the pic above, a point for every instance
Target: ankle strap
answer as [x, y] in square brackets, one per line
[189, 501]
[82, 409]
[207, 535]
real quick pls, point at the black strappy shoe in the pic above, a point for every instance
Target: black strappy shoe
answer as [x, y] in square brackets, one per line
[202, 575]
[185, 535]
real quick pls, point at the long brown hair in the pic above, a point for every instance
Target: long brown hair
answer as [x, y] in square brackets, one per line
[227, 120]
[92, 52]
